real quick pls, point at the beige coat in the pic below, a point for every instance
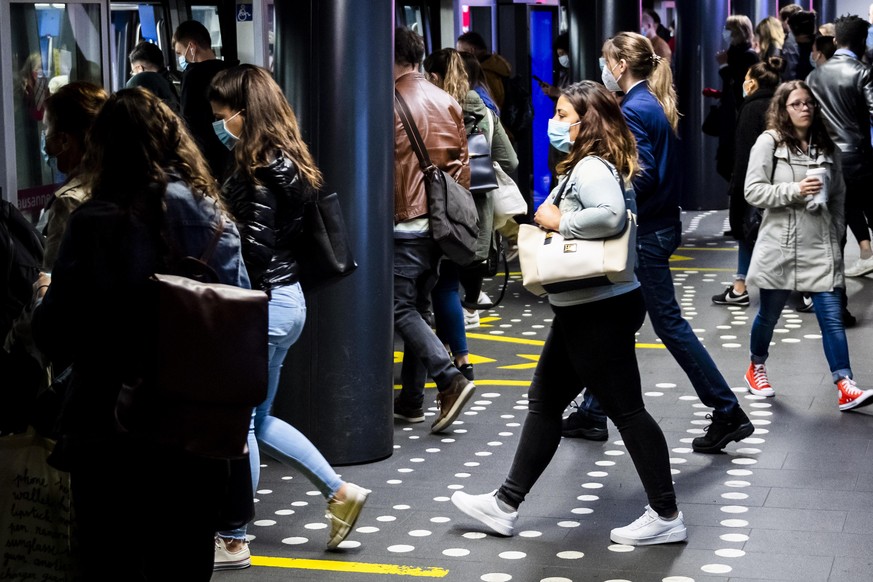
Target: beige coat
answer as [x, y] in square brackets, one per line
[67, 198]
[797, 249]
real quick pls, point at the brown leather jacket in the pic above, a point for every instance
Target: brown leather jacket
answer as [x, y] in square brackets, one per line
[441, 123]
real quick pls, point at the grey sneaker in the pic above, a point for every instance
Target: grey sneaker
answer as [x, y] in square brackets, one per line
[343, 514]
[483, 508]
[650, 529]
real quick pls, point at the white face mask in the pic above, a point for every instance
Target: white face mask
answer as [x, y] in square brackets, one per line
[564, 61]
[609, 80]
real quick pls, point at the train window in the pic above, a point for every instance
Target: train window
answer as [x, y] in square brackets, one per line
[52, 44]
[130, 24]
[208, 17]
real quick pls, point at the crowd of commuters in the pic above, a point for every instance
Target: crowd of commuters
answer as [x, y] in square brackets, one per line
[152, 172]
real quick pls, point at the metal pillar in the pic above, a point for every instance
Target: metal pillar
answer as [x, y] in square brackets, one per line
[756, 10]
[591, 23]
[336, 385]
[826, 11]
[697, 40]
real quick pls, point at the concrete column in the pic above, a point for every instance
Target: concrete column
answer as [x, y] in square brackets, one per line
[698, 38]
[337, 381]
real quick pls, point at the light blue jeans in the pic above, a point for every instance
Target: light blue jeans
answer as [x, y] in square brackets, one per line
[272, 435]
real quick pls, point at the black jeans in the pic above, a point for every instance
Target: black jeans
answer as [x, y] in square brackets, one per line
[592, 345]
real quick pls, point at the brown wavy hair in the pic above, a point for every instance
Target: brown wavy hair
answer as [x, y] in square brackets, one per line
[643, 63]
[779, 120]
[135, 143]
[74, 107]
[603, 132]
[270, 124]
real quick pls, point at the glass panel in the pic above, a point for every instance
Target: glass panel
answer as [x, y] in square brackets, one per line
[208, 17]
[130, 24]
[412, 19]
[52, 44]
[271, 34]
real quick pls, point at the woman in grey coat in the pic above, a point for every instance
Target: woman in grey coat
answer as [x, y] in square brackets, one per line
[798, 246]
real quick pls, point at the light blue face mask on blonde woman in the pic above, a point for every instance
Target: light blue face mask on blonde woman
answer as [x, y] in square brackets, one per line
[559, 135]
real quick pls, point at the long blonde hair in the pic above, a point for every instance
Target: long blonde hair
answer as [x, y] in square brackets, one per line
[451, 74]
[638, 53]
[769, 32]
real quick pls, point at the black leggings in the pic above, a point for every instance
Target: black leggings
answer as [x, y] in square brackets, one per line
[592, 345]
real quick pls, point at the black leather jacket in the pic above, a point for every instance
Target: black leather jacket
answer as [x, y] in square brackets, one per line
[843, 87]
[269, 215]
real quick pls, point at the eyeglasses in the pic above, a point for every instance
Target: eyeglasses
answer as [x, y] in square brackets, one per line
[800, 105]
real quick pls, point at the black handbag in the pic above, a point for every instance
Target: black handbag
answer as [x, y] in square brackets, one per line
[454, 221]
[482, 176]
[322, 249]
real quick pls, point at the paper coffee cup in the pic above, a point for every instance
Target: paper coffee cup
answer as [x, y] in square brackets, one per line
[821, 174]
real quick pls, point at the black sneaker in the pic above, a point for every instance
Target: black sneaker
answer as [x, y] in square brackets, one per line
[728, 297]
[581, 426]
[724, 429]
[408, 413]
[806, 305]
[849, 320]
[467, 371]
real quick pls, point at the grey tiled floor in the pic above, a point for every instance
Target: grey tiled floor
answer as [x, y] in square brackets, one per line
[792, 502]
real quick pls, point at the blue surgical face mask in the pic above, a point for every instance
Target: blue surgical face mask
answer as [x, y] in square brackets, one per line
[812, 62]
[609, 80]
[183, 63]
[559, 135]
[564, 61]
[726, 36]
[224, 135]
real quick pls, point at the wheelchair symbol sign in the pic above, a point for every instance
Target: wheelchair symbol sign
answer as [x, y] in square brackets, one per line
[243, 12]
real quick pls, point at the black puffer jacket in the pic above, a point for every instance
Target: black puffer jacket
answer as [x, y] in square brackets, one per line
[269, 215]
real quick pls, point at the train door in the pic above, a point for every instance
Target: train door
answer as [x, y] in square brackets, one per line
[130, 24]
[416, 15]
[543, 22]
[42, 47]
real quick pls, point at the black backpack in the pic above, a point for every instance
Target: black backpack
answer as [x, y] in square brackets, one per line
[21, 254]
[517, 111]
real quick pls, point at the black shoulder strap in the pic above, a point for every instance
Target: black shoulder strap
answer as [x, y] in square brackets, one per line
[412, 131]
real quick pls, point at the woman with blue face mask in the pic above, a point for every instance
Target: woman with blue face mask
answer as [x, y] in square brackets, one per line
[273, 176]
[591, 342]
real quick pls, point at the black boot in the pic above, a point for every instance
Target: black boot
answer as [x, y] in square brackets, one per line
[581, 425]
[733, 426]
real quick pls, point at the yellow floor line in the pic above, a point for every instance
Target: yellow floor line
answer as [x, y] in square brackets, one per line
[357, 567]
[532, 342]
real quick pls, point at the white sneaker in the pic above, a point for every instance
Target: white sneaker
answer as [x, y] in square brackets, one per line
[860, 268]
[226, 560]
[483, 508]
[650, 529]
[471, 319]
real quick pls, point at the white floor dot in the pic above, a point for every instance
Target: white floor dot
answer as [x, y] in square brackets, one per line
[737, 483]
[420, 533]
[285, 512]
[317, 525]
[265, 522]
[555, 579]
[401, 507]
[716, 568]
[742, 461]
[299, 503]
[568, 524]
[394, 481]
[512, 555]
[620, 548]
[367, 529]
[295, 541]
[748, 451]
[570, 555]
[456, 552]
[386, 518]
[496, 577]
[264, 491]
[730, 553]
[739, 472]
[597, 474]
[440, 519]
[677, 579]
[349, 545]
[735, 523]
[530, 534]
[588, 498]
[734, 509]
[592, 485]
[605, 463]
[400, 548]
[613, 453]
[441, 499]
[474, 535]
[475, 464]
[734, 538]
[734, 496]
[581, 510]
